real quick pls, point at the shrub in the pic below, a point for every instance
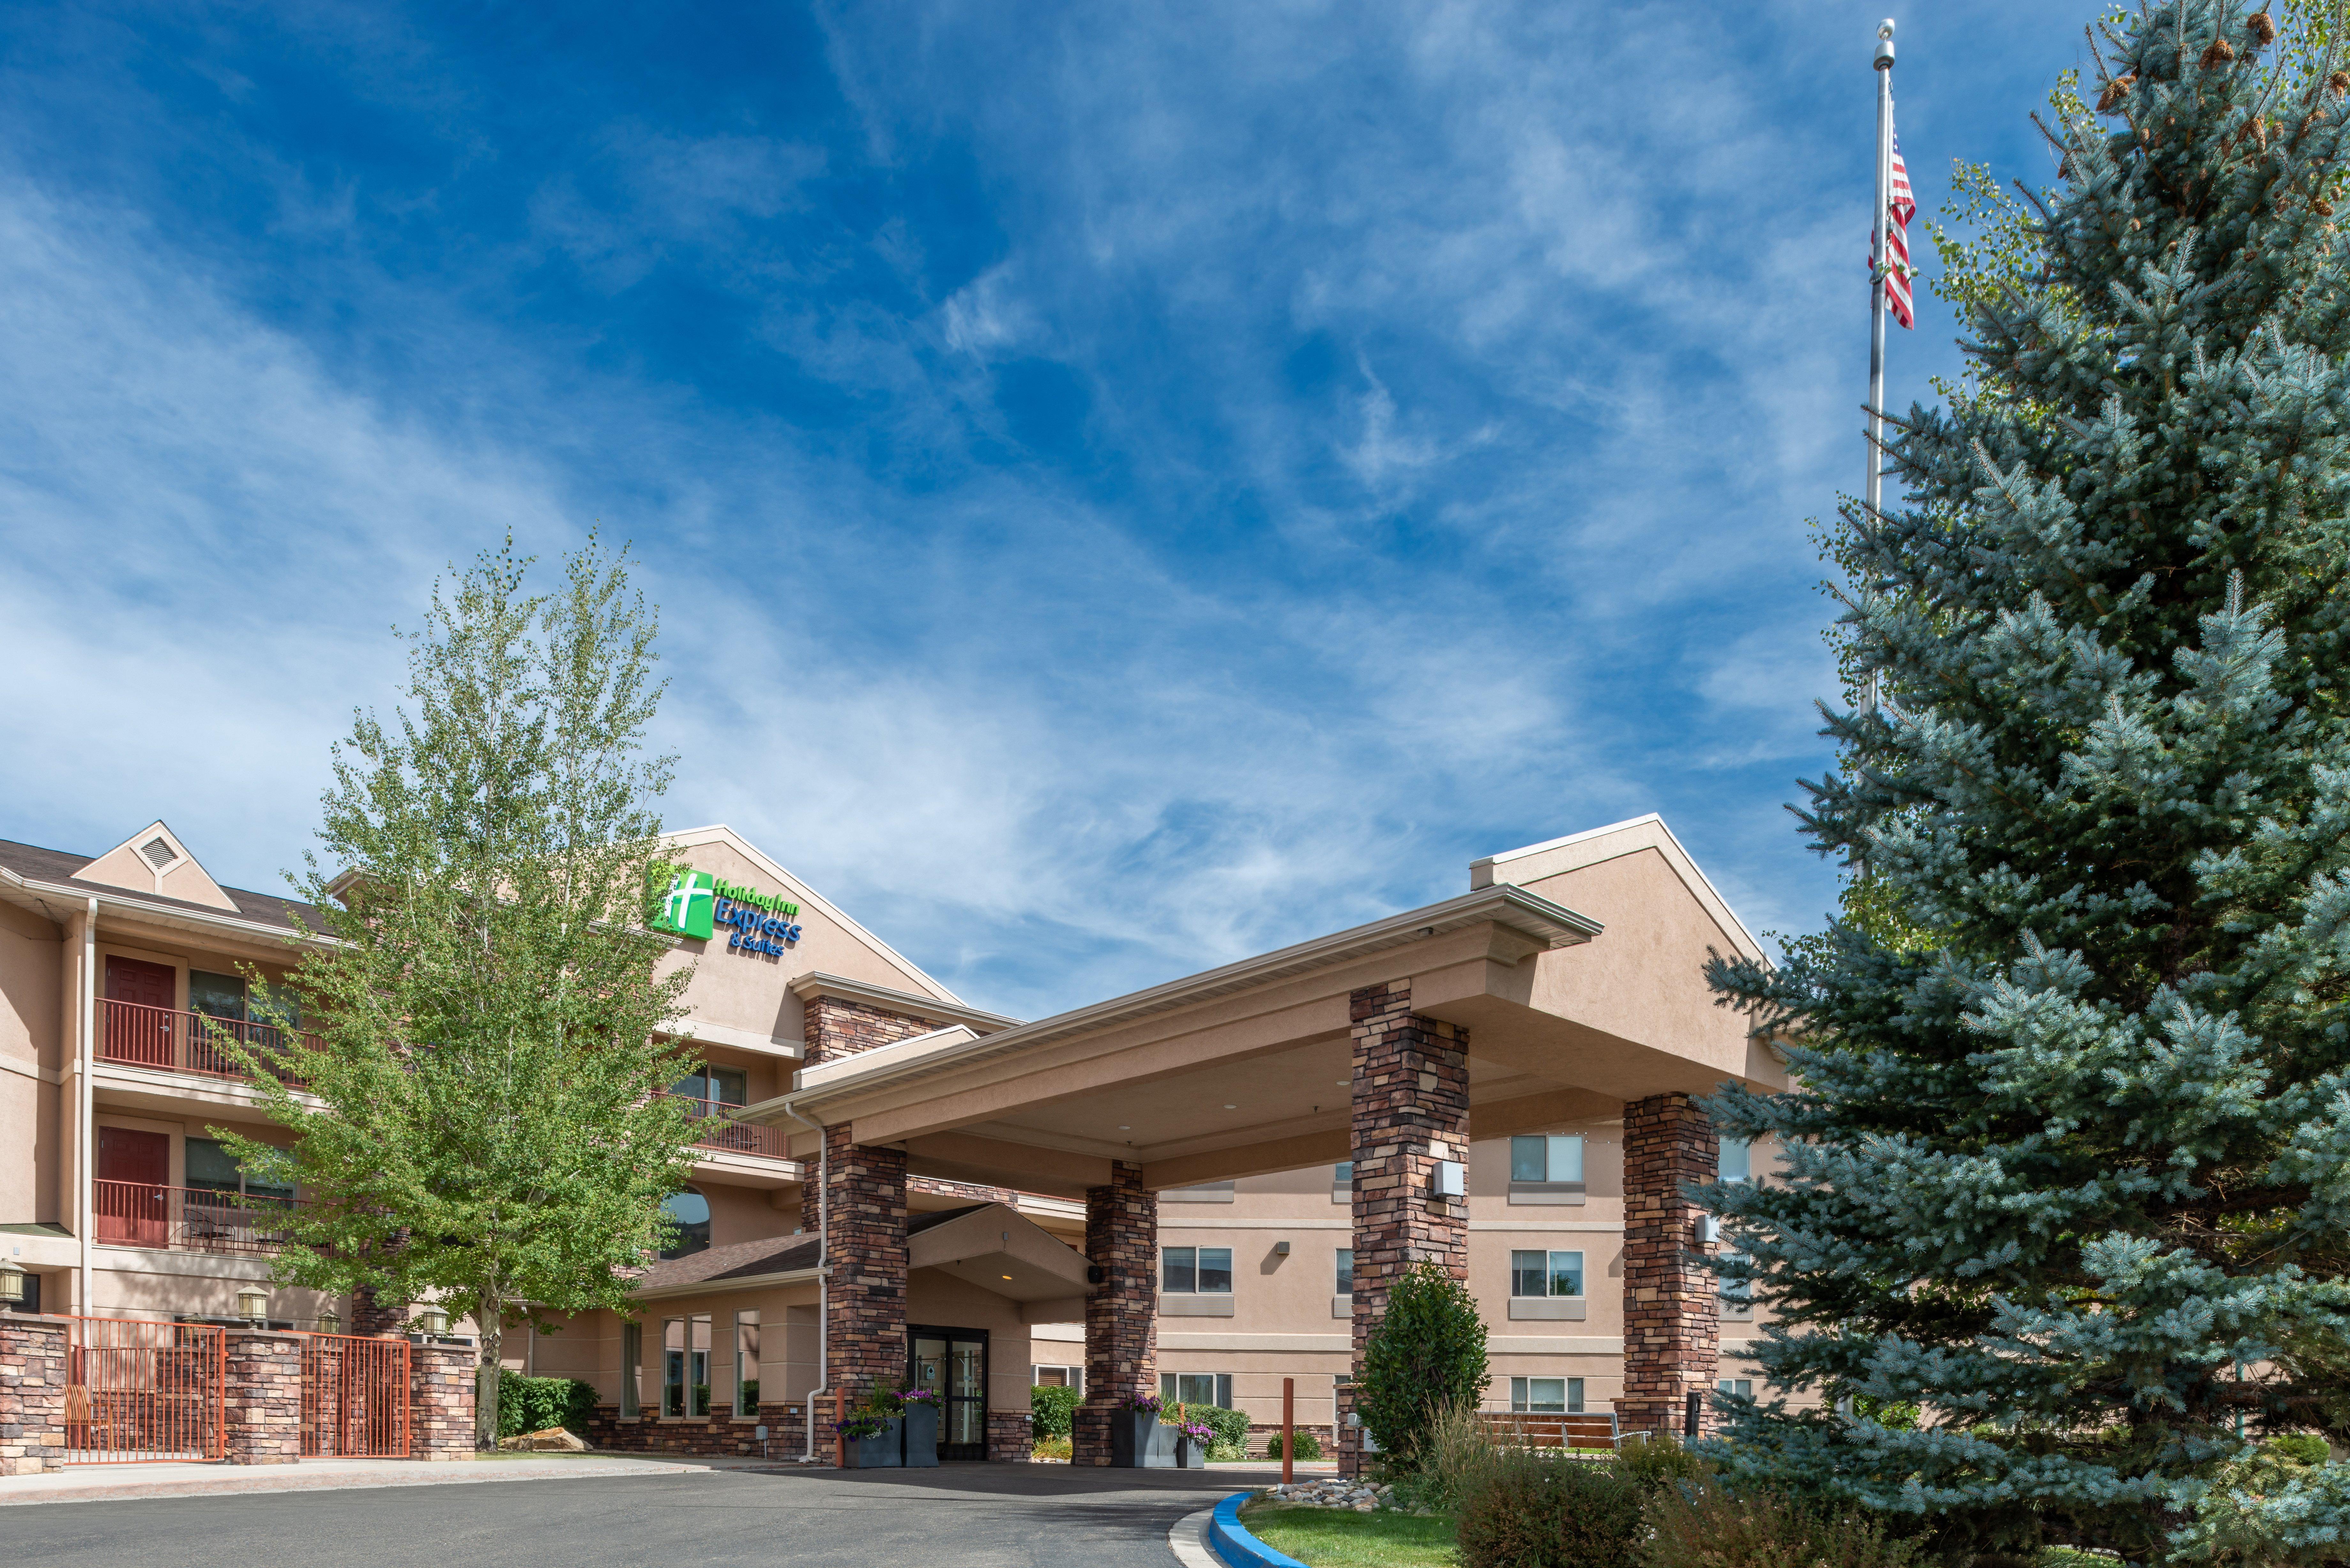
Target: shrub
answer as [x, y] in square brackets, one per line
[1538, 1511]
[1456, 1461]
[1649, 1460]
[1426, 1351]
[1053, 1412]
[1702, 1525]
[1052, 1449]
[535, 1404]
[1309, 1447]
[2297, 1448]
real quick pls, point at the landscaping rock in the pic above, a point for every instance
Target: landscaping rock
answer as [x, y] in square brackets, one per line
[546, 1440]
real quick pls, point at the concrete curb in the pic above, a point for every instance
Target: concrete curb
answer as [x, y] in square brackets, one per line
[1229, 1539]
[290, 1478]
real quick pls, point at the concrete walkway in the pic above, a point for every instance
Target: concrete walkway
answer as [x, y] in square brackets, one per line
[120, 1483]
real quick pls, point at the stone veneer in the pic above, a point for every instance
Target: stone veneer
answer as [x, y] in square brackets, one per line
[1672, 1327]
[718, 1433]
[837, 1027]
[1410, 1102]
[262, 1405]
[1009, 1441]
[441, 1402]
[1122, 1311]
[373, 1317]
[32, 1394]
[968, 1191]
[865, 1263]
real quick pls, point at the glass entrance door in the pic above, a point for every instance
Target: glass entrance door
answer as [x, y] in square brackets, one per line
[952, 1363]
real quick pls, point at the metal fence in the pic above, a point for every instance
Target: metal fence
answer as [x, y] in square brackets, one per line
[190, 1219]
[144, 1037]
[138, 1390]
[354, 1397]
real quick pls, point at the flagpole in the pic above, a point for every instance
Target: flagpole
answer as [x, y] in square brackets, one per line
[1879, 259]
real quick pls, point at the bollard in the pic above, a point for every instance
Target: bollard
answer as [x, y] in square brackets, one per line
[1288, 1429]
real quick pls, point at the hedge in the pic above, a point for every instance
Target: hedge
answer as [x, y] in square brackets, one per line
[1052, 1412]
[535, 1404]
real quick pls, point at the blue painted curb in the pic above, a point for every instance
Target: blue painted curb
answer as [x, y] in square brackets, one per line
[1229, 1539]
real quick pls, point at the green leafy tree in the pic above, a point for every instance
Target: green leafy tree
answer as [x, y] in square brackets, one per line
[1426, 1353]
[2065, 1163]
[478, 1121]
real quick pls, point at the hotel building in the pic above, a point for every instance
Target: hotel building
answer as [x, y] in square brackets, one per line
[1198, 1190]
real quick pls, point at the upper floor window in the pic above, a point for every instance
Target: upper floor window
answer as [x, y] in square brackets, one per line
[225, 996]
[1343, 1173]
[1551, 1159]
[690, 1211]
[1346, 1271]
[1737, 1295]
[719, 1085]
[1737, 1159]
[1545, 1273]
[1204, 1271]
[212, 1168]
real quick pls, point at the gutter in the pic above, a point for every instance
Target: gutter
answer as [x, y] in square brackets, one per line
[729, 1282]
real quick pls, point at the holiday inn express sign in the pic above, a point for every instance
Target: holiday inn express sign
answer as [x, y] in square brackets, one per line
[690, 903]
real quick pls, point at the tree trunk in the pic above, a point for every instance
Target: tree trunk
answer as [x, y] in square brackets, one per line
[485, 1386]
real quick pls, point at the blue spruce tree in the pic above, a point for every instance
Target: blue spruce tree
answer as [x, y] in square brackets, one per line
[2068, 1160]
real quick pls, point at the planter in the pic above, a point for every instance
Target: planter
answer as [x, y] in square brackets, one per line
[1191, 1454]
[921, 1421]
[884, 1451]
[1138, 1441]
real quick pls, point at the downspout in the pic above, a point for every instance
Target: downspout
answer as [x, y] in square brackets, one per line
[823, 1270]
[85, 1104]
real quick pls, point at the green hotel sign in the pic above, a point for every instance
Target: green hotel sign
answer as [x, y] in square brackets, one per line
[685, 902]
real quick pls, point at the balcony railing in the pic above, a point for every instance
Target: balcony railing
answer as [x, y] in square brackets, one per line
[143, 1036]
[722, 1131]
[189, 1219]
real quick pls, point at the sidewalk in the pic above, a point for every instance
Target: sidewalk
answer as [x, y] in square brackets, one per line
[117, 1483]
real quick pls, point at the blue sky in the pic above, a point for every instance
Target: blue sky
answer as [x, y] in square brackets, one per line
[1128, 486]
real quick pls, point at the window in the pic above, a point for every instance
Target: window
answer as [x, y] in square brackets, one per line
[746, 1364]
[1545, 1273]
[1346, 1271]
[632, 1365]
[1737, 1159]
[216, 995]
[1057, 1376]
[1342, 1182]
[1737, 1295]
[1546, 1159]
[1206, 1270]
[1741, 1388]
[685, 1367]
[719, 1085]
[1546, 1396]
[690, 1211]
[1196, 1388]
[212, 1168]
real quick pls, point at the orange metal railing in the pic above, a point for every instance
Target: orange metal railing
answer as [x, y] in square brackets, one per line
[189, 1220]
[354, 1397]
[144, 1037]
[138, 1390]
[724, 1132]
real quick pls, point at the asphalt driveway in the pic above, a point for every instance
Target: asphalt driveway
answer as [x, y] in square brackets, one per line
[959, 1516]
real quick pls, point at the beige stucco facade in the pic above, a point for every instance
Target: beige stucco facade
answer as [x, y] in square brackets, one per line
[1574, 966]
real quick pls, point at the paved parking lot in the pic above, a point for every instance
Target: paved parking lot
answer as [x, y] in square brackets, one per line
[961, 1516]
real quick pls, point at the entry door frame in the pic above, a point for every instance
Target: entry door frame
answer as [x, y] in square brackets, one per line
[917, 1331]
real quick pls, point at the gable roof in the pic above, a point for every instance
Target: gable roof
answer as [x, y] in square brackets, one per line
[1558, 857]
[718, 1266]
[29, 863]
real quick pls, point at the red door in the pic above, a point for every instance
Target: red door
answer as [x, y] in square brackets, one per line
[139, 1022]
[134, 1181]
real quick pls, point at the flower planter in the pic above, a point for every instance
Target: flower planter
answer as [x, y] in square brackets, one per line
[885, 1450]
[1191, 1454]
[1138, 1441]
[922, 1423]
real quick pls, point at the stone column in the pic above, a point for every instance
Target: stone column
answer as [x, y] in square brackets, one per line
[373, 1316]
[1672, 1328]
[865, 1262]
[32, 1394]
[1410, 1112]
[262, 1404]
[1009, 1441]
[441, 1388]
[1122, 1309]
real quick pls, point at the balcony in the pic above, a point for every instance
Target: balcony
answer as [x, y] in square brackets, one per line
[190, 1219]
[722, 1132]
[137, 1035]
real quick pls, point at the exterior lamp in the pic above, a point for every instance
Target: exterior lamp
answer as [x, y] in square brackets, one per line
[253, 1304]
[329, 1321]
[12, 1284]
[432, 1323]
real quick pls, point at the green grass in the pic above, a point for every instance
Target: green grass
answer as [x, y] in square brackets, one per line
[1327, 1538]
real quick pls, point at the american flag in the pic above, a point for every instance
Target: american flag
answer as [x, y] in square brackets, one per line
[1900, 211]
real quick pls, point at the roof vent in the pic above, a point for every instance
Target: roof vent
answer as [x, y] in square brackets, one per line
[159, 852]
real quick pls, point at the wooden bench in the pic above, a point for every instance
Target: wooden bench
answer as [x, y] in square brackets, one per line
[1527, 1429]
